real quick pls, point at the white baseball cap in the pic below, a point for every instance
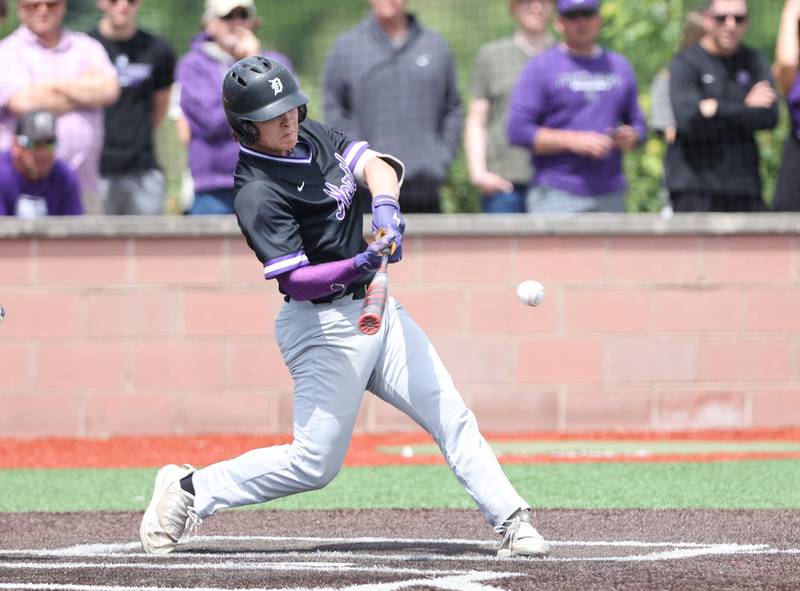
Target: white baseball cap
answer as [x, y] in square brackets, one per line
[220, 8]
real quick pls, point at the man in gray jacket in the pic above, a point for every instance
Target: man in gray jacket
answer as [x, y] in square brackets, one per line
[392, 82]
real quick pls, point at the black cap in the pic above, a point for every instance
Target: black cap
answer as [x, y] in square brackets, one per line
[36, 127]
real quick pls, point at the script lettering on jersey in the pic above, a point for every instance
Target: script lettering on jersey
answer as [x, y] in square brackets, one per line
[343, 193]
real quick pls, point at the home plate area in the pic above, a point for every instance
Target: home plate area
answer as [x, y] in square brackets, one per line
[330, 550]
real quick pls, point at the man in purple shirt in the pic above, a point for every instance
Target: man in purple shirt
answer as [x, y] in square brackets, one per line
[575, 106]
[33, 183]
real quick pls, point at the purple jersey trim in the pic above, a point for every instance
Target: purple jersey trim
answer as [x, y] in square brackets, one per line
[283, 264]
[353, 153]
[304, 159]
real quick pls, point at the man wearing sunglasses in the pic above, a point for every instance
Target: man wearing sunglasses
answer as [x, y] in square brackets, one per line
[576, 107]
[228, 35]
[722, 92]
[46, 66]
[131, 180]
[33, 182]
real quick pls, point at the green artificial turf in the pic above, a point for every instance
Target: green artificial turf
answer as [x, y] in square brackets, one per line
[725, 485]
[597, 447]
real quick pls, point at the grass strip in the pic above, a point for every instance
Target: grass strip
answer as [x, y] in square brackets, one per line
[723, 485]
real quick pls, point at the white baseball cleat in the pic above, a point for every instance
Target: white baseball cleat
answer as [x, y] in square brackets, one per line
[170, 512]
[520, 538]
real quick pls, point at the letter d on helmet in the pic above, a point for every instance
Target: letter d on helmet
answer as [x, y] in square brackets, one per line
[258, 88]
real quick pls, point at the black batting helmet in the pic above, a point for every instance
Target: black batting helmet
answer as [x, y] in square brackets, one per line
[258, 88]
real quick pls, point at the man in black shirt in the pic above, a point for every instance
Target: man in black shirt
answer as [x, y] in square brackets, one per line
[131, 180]
[721, 92]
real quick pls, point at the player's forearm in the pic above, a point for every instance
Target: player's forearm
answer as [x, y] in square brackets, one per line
[317, 281]
[90, 91]
[787, 48]
[475, 137]
[40, 96]
[381, 178]
[553, 141]
[160, 106]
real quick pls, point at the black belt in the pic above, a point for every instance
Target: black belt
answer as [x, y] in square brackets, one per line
[358, 291]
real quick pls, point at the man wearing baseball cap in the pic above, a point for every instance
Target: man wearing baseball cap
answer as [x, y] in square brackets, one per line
[33, 182]
[227, 36]
[575, 106]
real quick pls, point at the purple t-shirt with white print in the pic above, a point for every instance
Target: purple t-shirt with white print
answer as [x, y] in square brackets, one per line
[56, 194]
[561, 90]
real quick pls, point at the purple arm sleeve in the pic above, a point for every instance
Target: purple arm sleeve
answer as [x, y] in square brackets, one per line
[316, 281]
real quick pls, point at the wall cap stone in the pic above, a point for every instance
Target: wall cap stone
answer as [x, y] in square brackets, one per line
[484, 225]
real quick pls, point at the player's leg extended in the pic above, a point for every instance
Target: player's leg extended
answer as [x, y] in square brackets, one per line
[410, 376]
[330, 362]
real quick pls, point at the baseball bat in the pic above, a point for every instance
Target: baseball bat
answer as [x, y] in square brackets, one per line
[369, 322]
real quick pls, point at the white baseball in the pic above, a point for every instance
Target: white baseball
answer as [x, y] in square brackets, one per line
[530, 292]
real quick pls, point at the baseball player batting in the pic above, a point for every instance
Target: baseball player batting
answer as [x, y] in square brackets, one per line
[295, 202]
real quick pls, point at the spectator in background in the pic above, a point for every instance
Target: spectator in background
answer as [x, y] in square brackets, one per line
[787, 56]
[662, 119]
[576, 108]
[500, 171]
[33, 182]
[227, 36]
[131, 180]
[3, 11]
[393, 83]
[47, 66]
[721, 93]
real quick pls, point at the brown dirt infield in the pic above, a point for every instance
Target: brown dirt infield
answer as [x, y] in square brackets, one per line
[407, 549]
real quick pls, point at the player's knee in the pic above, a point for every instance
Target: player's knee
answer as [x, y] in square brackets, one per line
[316, 471]
[316, 479]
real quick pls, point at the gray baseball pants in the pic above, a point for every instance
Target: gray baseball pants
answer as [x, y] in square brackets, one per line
[332, 364]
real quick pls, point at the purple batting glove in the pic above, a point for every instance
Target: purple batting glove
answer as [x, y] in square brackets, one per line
[386, 216]
[370, 259]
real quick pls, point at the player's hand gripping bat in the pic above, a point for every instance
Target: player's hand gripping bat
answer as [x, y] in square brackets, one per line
[369, 322]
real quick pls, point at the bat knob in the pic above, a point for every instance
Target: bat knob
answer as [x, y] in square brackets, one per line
[369, 324]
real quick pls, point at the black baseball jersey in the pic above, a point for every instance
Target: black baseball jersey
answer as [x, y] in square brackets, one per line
[301, 209]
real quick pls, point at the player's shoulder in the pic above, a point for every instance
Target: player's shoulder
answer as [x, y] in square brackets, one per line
[496, 48]
[694, 54]
[544, 62]
[157, 42]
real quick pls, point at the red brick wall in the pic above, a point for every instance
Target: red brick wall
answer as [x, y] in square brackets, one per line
[138, 335]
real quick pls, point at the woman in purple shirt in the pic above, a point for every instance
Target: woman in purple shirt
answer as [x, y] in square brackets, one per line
[227, 36]
[787, 56]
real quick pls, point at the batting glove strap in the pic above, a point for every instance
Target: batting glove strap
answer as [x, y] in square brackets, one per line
[385, 200]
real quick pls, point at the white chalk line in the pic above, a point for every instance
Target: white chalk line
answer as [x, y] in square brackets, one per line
[128, 549]
[261, 561]
[232, 565]
[675, 550]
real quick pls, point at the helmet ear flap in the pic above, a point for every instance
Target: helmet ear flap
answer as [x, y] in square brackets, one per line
[246, 132]
[302, 111]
